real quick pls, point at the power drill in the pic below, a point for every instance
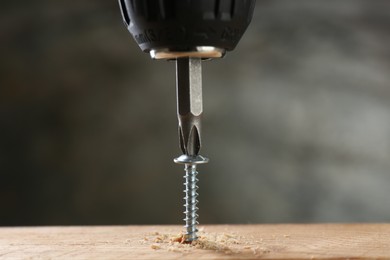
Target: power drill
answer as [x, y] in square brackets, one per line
[188, 31]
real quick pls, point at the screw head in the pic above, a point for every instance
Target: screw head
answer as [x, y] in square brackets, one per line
[186, 159]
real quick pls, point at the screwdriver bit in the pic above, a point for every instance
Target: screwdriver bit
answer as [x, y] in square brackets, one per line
[189, 103]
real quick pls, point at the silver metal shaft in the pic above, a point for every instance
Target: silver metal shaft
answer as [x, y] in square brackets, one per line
[189, 103]
[189, 112]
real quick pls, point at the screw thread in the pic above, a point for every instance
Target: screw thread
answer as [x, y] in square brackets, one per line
[191, 202]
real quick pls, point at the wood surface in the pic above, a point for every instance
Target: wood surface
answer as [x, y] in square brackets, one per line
[284, 241]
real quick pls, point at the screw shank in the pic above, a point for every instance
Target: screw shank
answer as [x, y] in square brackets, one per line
[191, 203]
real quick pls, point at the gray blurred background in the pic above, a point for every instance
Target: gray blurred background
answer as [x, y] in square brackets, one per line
[296, 125]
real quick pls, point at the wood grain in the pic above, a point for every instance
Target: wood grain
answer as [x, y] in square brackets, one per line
[314, 241]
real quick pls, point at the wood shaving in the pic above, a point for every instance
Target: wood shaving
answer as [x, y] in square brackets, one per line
[155, 247]
[180, 239]
[254, 250]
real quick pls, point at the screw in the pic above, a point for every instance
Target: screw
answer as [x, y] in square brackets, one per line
[190, 163]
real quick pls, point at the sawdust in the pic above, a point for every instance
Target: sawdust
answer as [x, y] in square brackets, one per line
[155, 246]
[228, 243]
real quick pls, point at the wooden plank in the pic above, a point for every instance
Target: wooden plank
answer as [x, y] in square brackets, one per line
[314, 241]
